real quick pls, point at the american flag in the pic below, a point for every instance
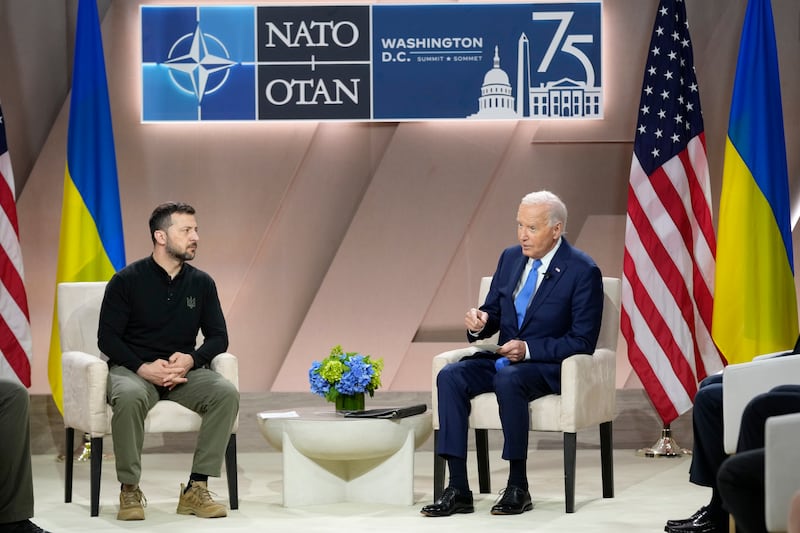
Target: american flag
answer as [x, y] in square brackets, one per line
[15, 324]
[668, 268]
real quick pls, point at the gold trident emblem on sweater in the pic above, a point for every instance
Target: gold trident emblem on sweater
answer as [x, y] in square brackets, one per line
[191, 302]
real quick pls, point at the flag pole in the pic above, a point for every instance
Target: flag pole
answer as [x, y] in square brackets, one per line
[86, 453]
[665, 446]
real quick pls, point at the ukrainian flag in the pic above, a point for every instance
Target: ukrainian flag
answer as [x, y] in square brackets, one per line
[91, 245]
[755, 308]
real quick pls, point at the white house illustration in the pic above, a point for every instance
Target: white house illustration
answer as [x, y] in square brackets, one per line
[564, 98]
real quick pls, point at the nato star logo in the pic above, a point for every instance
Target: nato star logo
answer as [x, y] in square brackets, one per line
[198, 64]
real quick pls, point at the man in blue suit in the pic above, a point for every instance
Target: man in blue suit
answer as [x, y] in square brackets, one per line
[546, 300]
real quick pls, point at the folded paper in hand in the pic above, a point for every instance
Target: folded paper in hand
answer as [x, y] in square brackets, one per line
[388, 412]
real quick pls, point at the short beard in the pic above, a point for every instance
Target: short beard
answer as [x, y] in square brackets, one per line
[180, 256]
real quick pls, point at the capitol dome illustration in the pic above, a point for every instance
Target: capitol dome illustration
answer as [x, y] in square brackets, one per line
[561, 98]
[496, 100]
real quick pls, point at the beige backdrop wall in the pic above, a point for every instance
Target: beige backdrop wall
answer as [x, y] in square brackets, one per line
[372, 236]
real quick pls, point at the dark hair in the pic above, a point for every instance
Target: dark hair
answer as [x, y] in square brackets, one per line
[161, 219]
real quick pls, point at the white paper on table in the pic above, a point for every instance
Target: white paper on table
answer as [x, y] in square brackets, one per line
[278, 414]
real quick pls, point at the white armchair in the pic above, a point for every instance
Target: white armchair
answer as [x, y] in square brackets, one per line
[793, 525]
[85, 372]
[588, 398]
[781, 473]
[741, 383]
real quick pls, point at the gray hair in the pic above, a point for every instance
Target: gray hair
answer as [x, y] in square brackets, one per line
[556, 208]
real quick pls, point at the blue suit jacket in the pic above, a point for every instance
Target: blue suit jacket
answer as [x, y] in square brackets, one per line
[564, 316]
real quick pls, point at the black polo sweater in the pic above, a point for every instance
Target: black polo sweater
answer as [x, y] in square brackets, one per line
[145, 315]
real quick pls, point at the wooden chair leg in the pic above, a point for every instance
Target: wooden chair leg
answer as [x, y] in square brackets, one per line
[570, 449]
[232, 473]
[607, 459]
[482, 449]
[96, 468]
[69, 442]
[438, 469]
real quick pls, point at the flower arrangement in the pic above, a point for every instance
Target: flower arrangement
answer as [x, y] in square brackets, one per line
[345, 374]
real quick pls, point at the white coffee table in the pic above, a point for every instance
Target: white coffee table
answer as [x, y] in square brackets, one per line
[328, 458]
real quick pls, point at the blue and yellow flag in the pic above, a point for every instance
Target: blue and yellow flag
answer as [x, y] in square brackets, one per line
[755, 308]
[91, 245]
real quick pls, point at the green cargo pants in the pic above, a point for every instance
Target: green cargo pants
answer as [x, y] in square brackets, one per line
[206, 392]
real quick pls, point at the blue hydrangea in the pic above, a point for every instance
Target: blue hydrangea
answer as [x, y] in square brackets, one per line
[357, 378]
[319, 385]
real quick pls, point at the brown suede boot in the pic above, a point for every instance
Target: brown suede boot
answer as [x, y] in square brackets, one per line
[131, 503]
[197, 501]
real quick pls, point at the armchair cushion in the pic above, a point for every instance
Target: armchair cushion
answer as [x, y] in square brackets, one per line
[84, 386]
[742, 382]
[445, 358]
[588, 391]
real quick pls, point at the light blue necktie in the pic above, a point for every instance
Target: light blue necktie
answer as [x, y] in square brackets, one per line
[527, 290]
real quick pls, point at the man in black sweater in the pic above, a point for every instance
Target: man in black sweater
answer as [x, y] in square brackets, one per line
[149, 320]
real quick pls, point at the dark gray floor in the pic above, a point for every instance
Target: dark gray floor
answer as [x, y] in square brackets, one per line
[636, 424]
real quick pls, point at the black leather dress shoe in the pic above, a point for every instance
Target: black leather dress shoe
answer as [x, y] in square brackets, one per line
[513, 501]
[705, 520]
[452, 501]
[681, 521]
[24, 526]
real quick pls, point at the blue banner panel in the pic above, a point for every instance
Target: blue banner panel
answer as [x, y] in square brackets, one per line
[489, 61]
[365, 62]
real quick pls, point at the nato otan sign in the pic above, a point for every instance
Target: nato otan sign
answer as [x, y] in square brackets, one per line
[371, 62]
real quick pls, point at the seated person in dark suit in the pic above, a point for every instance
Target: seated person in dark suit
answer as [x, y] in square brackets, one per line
[16, 490]
[707, 457]
[546, 300]
[741, 477]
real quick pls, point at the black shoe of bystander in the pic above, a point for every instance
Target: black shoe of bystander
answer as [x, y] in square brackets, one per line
[705, 520]
[452, 501]
[23, 526]
[703, 511]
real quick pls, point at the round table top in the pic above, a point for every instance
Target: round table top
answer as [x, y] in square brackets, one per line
[324, 433]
